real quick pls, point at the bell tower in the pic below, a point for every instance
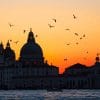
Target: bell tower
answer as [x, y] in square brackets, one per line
[97, 58]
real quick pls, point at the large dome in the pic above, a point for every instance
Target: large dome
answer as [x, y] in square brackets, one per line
[31, 51]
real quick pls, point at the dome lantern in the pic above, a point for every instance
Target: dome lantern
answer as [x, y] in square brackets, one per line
[31, 36]
[8, 44]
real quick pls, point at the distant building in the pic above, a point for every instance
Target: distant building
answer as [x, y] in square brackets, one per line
[79, 76]
[32, 72]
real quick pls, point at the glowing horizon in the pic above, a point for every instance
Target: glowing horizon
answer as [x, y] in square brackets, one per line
[37, 14]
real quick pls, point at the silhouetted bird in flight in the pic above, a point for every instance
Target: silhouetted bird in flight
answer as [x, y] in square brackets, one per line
[68, 43]
[84, 35]
[84, 58]
[10, 40]
[87, 52]
[24, 31]
[67, 29]
[16, 42]
[54, 20]
[36, 35]
[74, 16]
[65, 59]
[76, 34]
[10, 25]
[77, 43]
[80, 38]
[51, 26]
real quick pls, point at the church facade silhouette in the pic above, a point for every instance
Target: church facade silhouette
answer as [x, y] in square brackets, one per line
[32, 72]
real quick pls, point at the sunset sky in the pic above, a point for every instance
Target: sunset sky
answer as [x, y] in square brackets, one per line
[37, 14]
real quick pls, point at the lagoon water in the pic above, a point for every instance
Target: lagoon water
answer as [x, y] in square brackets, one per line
[50, 95]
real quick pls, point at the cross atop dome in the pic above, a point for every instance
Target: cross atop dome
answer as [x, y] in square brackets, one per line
[31, 36]
[30, 29]
[8, 44]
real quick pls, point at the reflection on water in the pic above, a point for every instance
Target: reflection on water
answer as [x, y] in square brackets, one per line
[45, 95]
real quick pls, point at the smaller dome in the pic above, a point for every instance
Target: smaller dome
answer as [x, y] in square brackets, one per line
[9, 54]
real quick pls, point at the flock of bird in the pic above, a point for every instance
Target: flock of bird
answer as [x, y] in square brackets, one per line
[68, 29]
[52, 26]
[24, 31]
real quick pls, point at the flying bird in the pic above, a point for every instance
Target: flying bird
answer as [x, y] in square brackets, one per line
[77, 43]
[84, 35]
[87, 52]
[54, 20]
[10, 25]
[65, 59]
[80, 38]
[67, 29]
[76, 34]
[68, 43]
[36, 35]
[24, 31]
[51, 26]
[10, 40]
[74, 16]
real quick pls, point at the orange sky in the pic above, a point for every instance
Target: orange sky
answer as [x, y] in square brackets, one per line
[37, 14]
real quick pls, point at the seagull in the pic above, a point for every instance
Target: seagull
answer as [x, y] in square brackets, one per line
[10, 25]
[25, 31]
[87, 52]
[65, 59]
[51, 26]
[16, 42]
[54, 20]
[68, 44]
[77, 43]
[67, 29]
[76, 34]
[36, 35]
[74, 16]
[10, 40]
[84, 35]
[80, 38]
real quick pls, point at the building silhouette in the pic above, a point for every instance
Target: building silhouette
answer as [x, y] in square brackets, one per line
[31, 71]
[31, 52]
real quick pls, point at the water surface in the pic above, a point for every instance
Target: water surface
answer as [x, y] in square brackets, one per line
[50, 95]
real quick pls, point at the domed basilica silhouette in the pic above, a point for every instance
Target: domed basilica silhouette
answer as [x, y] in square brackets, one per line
[30, 71]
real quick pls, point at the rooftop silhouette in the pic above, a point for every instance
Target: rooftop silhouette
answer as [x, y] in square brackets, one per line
[32, 71]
